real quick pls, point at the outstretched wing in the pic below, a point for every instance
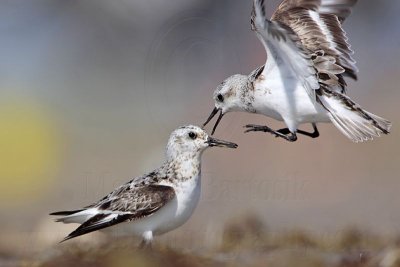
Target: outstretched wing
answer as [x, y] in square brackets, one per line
[283, 44]
[340, 8]
[318, 25]
[124, 204]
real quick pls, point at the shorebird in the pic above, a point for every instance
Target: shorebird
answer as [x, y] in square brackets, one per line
[157, 202]
[302, 81]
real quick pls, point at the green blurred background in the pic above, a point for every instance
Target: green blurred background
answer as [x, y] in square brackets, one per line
[90, 91]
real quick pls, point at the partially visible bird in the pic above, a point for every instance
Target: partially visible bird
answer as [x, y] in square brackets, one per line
[302, 81]
[157, 202]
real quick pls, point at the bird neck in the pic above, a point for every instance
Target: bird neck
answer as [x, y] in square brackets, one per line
[246, 96]
[185, 167]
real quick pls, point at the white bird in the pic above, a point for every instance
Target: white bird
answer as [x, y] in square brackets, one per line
[157, 202]
[302, 81]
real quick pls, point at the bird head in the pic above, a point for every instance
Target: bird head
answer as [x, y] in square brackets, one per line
[191, 141]
[228, 96]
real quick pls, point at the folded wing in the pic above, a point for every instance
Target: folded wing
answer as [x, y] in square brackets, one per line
[123, 205]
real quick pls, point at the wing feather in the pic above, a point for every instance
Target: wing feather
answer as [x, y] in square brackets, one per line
[124, 204]
[339, 8]
[318, 25]
[282, 43]
[98, 222]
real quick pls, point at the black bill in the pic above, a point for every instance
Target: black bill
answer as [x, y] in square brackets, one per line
[213, 113]
[220, 143]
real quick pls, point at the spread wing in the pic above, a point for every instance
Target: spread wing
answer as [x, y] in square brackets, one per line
[284, 45]
[122, 205]
[340, 8]
[318, 25]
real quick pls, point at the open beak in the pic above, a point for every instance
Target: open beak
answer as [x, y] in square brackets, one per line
[220, 143]
[213, 113]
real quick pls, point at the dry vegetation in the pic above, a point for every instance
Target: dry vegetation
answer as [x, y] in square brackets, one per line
[246, 241]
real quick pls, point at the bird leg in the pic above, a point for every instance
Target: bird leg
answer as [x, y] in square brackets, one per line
[146, 243]
[314, 134]
[291, 137]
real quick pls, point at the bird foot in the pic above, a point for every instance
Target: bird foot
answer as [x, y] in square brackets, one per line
[145, 245]
[260, 128]
[291, 137]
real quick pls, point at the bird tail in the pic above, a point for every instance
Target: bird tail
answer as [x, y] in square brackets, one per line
[354, 122]
[74, 216]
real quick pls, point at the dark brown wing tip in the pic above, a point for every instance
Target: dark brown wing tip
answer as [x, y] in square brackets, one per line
[64, 213]
[91, 226]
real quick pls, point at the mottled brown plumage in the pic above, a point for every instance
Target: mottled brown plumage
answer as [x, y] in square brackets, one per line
[319, 28]
[314, 26]
[340, 8]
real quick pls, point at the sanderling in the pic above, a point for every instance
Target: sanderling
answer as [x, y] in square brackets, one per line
[302, 80]
[157, 202]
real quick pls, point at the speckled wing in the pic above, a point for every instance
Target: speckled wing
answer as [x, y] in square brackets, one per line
[318, 25]
[126, 203]
[340, 8]
[282, 43]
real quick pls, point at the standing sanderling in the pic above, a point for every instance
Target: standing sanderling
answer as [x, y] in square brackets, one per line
[154, 203]
[302, 80]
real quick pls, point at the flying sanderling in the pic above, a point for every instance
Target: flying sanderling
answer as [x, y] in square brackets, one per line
[157, 202]
[302, 80]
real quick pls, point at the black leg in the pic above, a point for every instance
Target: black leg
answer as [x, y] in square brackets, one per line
[315, 134]
[289, 136]
[284, 131]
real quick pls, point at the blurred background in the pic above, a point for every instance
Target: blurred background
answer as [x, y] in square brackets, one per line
[90, 91]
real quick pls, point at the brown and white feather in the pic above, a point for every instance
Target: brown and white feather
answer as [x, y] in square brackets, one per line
[318, 24]
[139, 198]
[340, 8]
[284, 44]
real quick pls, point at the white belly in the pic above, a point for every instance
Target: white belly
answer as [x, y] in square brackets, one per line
[169, 217]
[286, 100]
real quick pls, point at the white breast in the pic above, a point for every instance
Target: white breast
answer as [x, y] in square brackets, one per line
[188, 195]
[283, 98]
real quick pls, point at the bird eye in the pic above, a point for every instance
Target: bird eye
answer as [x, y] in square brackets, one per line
[220, 98]
[193, 135]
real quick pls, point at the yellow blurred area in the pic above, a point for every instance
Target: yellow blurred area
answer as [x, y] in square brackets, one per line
[28, 151]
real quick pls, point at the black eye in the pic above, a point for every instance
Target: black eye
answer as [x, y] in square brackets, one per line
[220, 98]
[193, 135]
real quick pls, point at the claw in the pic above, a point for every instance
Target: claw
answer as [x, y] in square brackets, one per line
[257, 128]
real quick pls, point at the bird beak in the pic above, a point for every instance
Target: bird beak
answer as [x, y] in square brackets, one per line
[220, 143]
[213, 113]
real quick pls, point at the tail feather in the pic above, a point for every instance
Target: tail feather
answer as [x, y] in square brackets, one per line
[65, 213]
[381, 123]
[75, 216]
[354, 122]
